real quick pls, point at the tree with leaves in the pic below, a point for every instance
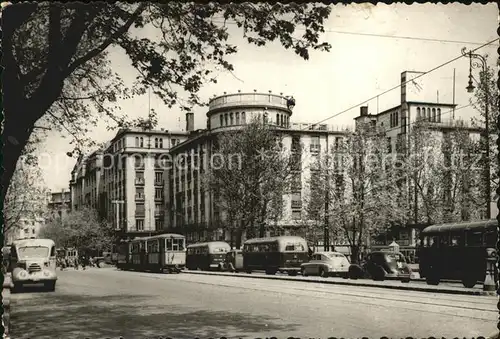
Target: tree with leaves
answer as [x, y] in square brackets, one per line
[486, 93]
[81, 229]
[57, 57]
[249, 177]
[26, 197]
[445, 175]
[358, 182]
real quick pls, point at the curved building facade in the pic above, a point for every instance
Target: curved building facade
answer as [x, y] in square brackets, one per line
[232, 110]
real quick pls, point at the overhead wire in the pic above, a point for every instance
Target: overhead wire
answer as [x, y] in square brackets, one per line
[401, 84]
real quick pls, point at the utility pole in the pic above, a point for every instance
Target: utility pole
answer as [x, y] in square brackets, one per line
[486, 139]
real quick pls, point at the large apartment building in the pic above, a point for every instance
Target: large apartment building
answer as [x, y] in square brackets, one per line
[123, 180]
[397, 124]
[191, 209]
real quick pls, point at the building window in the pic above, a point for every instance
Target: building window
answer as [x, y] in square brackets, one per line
[139, 178]
[419, 116]
[315, 145]
[394, 119]
[138, 162]
[158, 193]
[296, 143]
[231, 118]
[242, 117]
[137, 144]
[221, 119]
[296, 201]
[158, 177]
[158, 224]
[161, 142]
[434, 115]
[428, 114]
[139, 193]
[337, 143]
[296, 214]
[226, 119]
[439, 115]
[156, 142]
[277, 119]
[141, 142]
[237, 114]
[139, 224]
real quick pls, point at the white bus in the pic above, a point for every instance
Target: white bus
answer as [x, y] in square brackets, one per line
[33, 261]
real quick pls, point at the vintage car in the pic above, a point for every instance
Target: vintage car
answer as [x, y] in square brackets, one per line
[233, 262]
[380, 265]
[326, 264]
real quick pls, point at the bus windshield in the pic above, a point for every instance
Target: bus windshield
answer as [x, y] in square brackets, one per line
[33, 252]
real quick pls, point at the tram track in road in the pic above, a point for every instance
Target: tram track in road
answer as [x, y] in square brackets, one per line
[391, 293]
[361, 298]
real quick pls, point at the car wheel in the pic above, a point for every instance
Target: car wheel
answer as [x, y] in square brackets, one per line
[469, 281]
[406, 280]
[17, 288]
[355, 272]
[378, 273]
[432, 279]
[50, 286]
[303, 272]
[323, 273]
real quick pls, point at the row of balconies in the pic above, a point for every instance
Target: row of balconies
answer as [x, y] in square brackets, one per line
[141, 197]
[142, 213]
[141, 182]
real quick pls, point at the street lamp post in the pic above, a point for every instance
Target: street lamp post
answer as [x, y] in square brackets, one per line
[470, 88]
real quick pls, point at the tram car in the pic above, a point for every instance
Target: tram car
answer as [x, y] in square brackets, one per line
[159, 253]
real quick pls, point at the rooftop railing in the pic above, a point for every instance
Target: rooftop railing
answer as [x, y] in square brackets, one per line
[241, 99]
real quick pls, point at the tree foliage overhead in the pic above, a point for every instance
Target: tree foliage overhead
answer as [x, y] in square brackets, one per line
[80, 229]
[57, 57]
[249, 175]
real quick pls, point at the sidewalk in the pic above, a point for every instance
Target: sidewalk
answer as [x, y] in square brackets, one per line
[389, 284]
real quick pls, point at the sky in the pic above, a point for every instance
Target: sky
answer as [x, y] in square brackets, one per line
[330, 86]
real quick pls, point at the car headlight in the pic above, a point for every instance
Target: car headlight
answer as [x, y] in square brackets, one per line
[23, 274]
[46, 273]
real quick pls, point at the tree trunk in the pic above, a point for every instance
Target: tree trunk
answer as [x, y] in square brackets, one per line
[355, 254]
[239, 234]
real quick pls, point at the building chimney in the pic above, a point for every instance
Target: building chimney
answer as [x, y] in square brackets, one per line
[189, 122]
[364, 111]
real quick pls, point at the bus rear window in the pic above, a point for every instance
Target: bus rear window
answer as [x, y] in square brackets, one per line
[474, 238]
[294, 247]
[490, 239]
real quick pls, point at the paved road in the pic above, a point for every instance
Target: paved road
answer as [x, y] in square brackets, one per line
[102, 303]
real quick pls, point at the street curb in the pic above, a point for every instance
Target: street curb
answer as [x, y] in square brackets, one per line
[348, 283]
[7, 285]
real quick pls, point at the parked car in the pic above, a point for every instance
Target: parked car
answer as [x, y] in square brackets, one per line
[326, 264]
[380, 265]
[233, 262]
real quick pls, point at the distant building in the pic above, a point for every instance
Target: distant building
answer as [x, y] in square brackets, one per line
[27, 228]
[59, 204]
[123, 180]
